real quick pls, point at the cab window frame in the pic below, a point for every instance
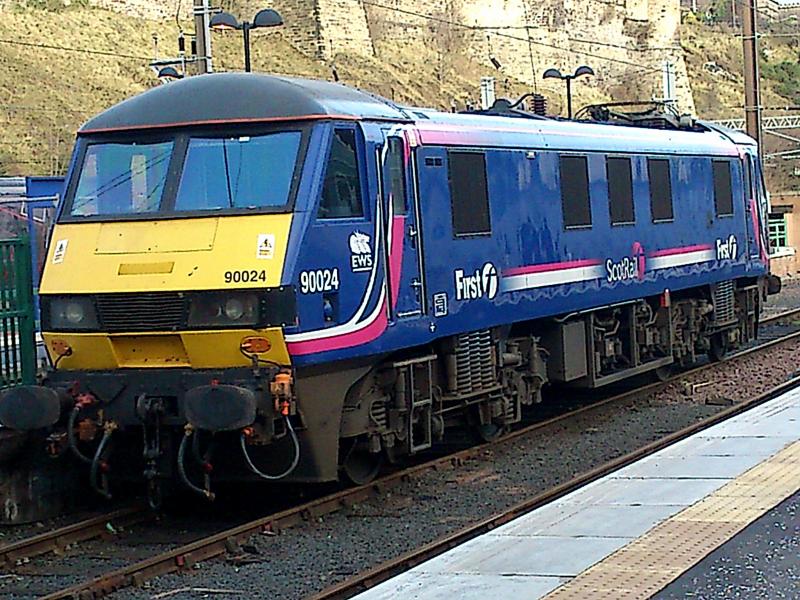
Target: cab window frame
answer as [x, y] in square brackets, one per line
[180, 139]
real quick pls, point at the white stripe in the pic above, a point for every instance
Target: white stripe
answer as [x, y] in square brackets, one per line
[679, 260]
[353, 324]
[533, 280]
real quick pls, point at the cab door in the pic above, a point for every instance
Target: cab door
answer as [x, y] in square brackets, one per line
[751, 207]
[405, 284]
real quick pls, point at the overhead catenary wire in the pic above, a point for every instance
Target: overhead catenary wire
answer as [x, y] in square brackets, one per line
[72, 49]
[494, 31]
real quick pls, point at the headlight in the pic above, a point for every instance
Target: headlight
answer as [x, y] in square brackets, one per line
[223, 310]
[70, 312]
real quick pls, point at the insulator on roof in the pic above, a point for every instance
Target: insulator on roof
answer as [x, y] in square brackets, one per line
[539, 105]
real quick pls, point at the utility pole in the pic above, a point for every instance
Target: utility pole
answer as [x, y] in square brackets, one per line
[668, 82]
[752, 95]
[202, 12]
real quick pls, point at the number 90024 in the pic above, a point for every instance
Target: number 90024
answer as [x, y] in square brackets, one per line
[245, 276]
[319, 280]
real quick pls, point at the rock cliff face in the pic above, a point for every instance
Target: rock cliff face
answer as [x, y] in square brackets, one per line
[625, 41]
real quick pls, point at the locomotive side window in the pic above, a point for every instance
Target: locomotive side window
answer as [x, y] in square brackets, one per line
[469, 195]
[620, 190]
[397, 178]
[660, 189]
[723, 196]
[575, 191]
[747, 169]
[341, 190]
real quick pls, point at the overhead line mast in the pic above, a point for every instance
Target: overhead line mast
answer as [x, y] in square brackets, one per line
[752, 93]
[202, 16]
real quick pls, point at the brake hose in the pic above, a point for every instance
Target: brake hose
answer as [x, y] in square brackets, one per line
[188, 433]
[73, 445]
[266, 476]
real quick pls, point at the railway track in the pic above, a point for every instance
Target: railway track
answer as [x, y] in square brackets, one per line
[62, 538]
[389, 569]
[190, 554]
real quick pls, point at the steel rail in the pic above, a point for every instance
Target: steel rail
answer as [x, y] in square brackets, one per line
[395, 566]
[788, 314]
[59, 539]
[212, 546]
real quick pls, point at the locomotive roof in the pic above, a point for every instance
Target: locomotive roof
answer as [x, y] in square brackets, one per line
[257, 98]
[241, 97]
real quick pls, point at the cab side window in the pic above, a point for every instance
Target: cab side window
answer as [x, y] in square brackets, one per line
[341, 189]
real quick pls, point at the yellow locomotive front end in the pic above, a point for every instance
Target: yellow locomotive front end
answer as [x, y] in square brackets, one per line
[163, 293]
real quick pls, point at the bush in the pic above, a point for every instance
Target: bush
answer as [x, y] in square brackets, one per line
[787, 76]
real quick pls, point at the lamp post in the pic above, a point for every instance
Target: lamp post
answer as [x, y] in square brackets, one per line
[169, 73]
[556, 74]
[264, 18]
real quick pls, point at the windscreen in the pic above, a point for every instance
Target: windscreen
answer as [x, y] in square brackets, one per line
[220, 173]
[121, 179]
[240, 172]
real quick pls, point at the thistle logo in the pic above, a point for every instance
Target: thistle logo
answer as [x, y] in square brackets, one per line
[482, 283]
[638, 255]
[360, 252]
[727, 249]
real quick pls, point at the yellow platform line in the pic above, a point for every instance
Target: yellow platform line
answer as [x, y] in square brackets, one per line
[651, 562]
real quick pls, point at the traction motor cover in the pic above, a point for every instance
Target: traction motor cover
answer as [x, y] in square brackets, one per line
[29, 407]
[220, 407]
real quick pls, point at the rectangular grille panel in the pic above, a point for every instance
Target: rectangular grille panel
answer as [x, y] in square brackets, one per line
[474, 362]
[724, 303]
[146, 311]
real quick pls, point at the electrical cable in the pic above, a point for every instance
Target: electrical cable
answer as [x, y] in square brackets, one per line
[507, 35]
[73, 445]
[69, 49]
[254, 469]
[101, 489]
[177, 16]
[255, 359]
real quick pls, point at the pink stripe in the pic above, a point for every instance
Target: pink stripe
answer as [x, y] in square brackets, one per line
[543, 268]
[396, 255]
[757, 231]
[345, 340]
[682, 250]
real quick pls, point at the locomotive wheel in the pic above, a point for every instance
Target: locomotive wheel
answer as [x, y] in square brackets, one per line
[718, 347]
[489, 432]
[664, 373]
[360, 466]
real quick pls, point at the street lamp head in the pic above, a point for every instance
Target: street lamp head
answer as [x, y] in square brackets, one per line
[497, 64]
[267, 18]
[224, 22]
[552, 74]
[167, 74]
[584, 70]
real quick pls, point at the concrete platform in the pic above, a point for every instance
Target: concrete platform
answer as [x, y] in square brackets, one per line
[634, 533]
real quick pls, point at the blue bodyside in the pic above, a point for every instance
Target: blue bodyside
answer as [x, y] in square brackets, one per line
[522, 165]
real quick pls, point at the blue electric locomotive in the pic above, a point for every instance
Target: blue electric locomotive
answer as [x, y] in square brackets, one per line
[431, 269]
